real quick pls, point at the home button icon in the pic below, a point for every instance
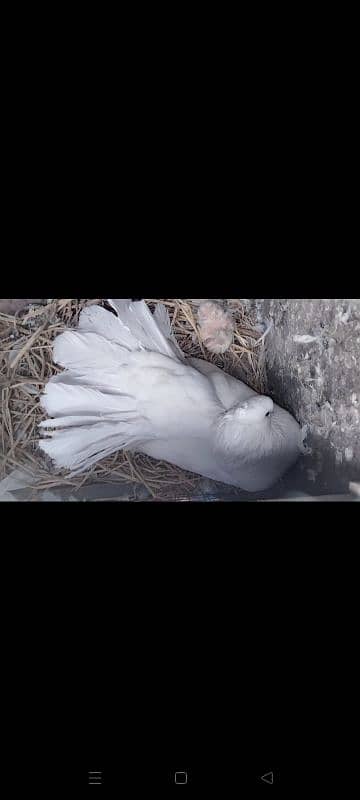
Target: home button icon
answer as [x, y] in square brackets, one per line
[181, 777]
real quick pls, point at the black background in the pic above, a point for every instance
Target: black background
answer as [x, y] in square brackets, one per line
[145, 640]
[139, 648]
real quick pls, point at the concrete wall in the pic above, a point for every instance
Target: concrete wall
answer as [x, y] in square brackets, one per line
[318, 380]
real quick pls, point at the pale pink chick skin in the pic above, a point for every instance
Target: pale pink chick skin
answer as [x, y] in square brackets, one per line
[216, 327]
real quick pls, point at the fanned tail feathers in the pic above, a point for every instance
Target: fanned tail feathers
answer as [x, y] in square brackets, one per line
[93, 412]
[151, 331]
[78, 448]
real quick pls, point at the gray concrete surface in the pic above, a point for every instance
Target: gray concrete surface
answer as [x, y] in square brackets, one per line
[313, 370]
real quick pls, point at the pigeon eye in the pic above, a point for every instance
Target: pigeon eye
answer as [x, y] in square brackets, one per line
[267, 414]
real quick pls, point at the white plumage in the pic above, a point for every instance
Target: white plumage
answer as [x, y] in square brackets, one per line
[127, 385]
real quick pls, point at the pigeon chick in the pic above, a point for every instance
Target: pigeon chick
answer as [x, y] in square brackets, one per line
[216, 327]
[127, 385]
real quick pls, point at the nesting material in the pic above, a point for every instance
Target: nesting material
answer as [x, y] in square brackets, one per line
[216, 327]
[26, 346]
[14, 306]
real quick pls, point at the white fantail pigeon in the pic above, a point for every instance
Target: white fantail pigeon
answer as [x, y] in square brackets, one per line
[127, 385]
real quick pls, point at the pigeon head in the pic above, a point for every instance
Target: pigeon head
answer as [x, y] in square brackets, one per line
[255, 411]
[260, 437]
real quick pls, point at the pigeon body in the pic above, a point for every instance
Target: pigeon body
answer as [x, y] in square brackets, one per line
[127, 385]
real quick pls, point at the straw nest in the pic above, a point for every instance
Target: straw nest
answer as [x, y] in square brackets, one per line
[26, 341]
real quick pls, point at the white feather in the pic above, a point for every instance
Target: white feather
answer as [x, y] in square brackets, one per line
[97, 320]
[162, 319]
[78, 448]
[144, 327]
[77, 351]
[77, 420]
[127, 386]
[229, 390]
[61, 398]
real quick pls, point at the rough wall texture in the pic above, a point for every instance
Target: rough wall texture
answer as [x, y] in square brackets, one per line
[313, 370]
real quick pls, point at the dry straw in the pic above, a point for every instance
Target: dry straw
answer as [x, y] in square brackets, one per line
[26, 342]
